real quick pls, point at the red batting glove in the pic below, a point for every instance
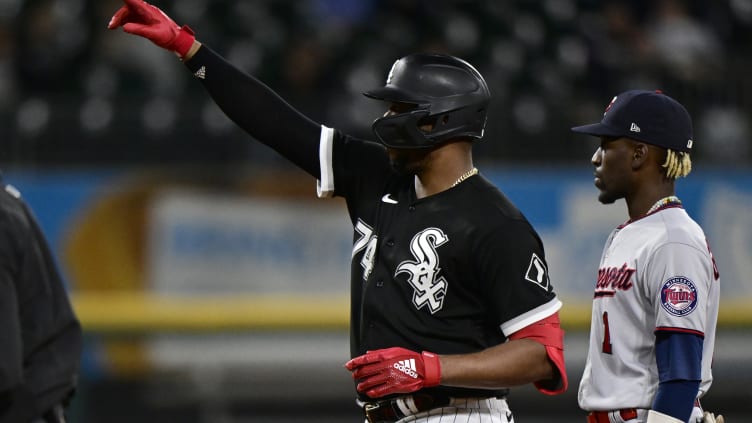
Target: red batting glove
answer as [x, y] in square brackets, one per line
[141, 18]
[394, 371]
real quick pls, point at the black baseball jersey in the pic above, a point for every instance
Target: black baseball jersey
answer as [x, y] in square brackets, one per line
[455, 272]
[40, 337]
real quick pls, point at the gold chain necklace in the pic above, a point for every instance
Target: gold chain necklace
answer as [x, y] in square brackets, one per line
[469, 173]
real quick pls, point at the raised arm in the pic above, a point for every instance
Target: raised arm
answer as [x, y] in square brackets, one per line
[244, 99]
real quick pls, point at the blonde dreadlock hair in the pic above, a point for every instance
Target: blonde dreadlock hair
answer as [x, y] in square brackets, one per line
[677, 165]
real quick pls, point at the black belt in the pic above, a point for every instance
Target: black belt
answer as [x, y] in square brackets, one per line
[391, 410]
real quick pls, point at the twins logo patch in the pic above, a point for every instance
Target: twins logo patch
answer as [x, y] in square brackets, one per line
[679, 296]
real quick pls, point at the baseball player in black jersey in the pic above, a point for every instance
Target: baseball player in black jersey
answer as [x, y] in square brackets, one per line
[451, 299]
[40, 337]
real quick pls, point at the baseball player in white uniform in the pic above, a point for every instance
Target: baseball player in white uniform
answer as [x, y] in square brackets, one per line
[656, 296]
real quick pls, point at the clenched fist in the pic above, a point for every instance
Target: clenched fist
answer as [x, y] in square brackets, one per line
[394, 370]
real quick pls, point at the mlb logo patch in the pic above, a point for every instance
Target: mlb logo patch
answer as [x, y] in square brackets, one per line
[679, 296]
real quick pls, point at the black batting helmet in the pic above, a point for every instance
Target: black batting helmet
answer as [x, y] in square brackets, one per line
[449, 94]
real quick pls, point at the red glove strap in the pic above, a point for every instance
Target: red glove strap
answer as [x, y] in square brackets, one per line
[432, 368]
[183, 41]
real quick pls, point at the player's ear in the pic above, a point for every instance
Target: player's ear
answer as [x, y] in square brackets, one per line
[640, 154]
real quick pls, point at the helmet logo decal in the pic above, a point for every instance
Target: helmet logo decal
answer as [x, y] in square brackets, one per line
[391, 73]
[429, 288]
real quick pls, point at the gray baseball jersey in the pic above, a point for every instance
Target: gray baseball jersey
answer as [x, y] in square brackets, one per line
[656, 274]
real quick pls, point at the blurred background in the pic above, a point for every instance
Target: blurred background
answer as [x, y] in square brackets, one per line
[211, 283]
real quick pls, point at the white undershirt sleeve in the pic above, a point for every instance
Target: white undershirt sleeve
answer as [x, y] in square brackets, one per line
[325, 185]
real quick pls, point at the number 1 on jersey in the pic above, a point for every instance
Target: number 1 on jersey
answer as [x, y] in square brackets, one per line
[606, 334]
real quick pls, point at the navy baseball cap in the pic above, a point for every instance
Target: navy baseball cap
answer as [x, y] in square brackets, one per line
[648, 116]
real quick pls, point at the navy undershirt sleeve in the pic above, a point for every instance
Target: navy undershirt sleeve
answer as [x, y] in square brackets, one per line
[679, 361]
[676, 398]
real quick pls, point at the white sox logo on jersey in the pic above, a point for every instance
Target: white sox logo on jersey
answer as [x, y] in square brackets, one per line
[423, 272]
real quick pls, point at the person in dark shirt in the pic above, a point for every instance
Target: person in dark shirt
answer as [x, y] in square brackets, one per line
[40, 336]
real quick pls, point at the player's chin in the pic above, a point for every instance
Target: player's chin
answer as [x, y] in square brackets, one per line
[606, 197]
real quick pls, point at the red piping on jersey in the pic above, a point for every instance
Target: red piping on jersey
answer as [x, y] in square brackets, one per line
[667, 206]
[679, 330]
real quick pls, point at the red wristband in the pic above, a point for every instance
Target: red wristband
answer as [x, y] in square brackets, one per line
[432, 369]
[184, 41]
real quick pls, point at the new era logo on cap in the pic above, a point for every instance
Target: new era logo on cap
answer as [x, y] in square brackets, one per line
[663, 121]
